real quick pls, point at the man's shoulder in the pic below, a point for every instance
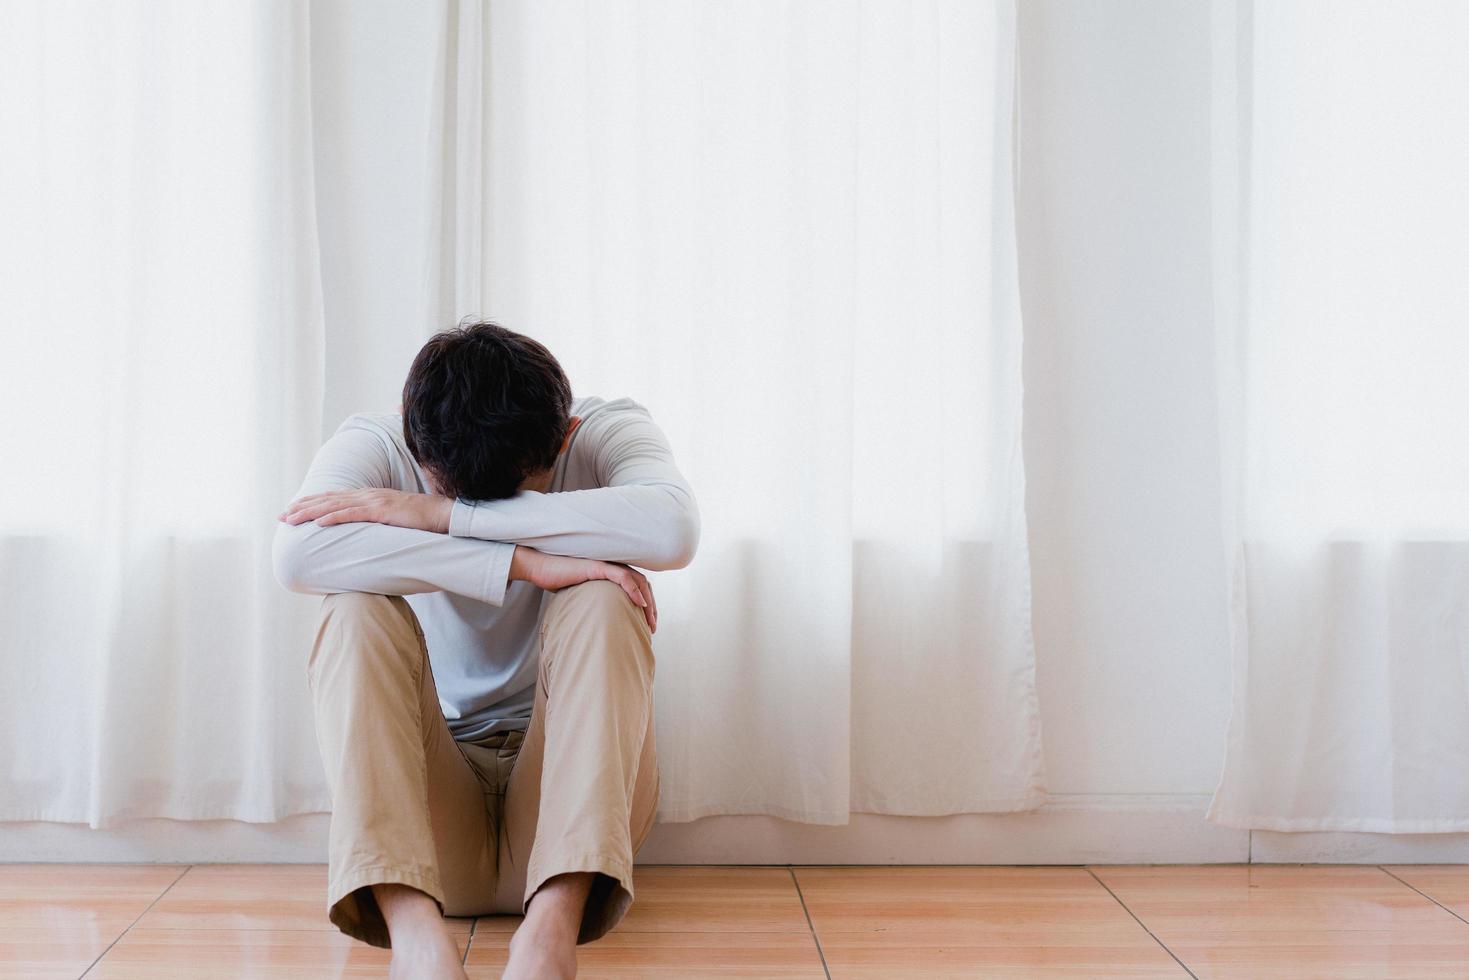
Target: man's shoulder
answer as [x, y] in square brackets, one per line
[604, 421]
[376, 440]
[588, 407]
[591, 407]
[381, 431]
[386, 424]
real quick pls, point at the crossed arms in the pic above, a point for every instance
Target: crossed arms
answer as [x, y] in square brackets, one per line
[374, 536]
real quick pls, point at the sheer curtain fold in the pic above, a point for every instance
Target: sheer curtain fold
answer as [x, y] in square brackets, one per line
[788, 228]
[1342, 229]
[162, 386]
[785, 228]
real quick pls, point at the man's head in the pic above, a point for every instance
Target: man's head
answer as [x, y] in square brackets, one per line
[483, 409]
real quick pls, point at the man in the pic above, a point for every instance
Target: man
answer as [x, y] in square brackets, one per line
[482, 673]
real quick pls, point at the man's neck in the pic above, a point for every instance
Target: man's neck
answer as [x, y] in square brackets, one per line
[540, 482]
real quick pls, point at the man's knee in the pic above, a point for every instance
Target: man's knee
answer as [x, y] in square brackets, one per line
[358, 604]
[598, 600]
[597, 617]
[353, 624]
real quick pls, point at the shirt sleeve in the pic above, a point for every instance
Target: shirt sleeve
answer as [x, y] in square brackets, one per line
[378, 558]
[643, 514]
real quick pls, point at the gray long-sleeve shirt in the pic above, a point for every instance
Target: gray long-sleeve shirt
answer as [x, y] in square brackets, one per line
[616, 494]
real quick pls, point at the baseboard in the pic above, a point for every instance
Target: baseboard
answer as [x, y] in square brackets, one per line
[1271, 847]
[1070, 829]
[1067, 830]
[298, 840]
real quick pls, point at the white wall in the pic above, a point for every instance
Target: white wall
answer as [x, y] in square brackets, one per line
[1123, 497]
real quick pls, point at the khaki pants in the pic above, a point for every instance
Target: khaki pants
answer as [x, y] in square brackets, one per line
[480, 828]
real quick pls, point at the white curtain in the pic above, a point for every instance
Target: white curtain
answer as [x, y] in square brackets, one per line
[161, 387]
[785, 228]
[788, 229]
[1342, 144]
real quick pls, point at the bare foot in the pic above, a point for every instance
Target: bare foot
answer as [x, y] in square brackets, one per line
[422, 946]
[544, 947]
[540, 958]
[426, 960]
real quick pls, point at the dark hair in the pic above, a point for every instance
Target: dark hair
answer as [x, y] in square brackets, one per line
[483, 408]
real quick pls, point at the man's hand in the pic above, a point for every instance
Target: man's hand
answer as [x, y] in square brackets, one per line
[553, 572]
[423, 511]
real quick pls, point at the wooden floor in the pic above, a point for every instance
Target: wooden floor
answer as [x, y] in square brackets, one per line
[1260, 921]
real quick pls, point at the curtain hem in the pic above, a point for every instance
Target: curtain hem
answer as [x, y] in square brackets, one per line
[687, 813]
[188, 815]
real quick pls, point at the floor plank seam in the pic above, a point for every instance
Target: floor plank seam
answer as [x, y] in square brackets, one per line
[809, 924]
[156, 899]
[1144, 925]
[468, 942]
[1424, 894]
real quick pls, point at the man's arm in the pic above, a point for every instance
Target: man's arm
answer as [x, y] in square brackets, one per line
[643, 514]
[377, 558]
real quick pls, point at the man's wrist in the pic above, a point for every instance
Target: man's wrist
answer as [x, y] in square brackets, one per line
[440, 509]
[522, 563]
